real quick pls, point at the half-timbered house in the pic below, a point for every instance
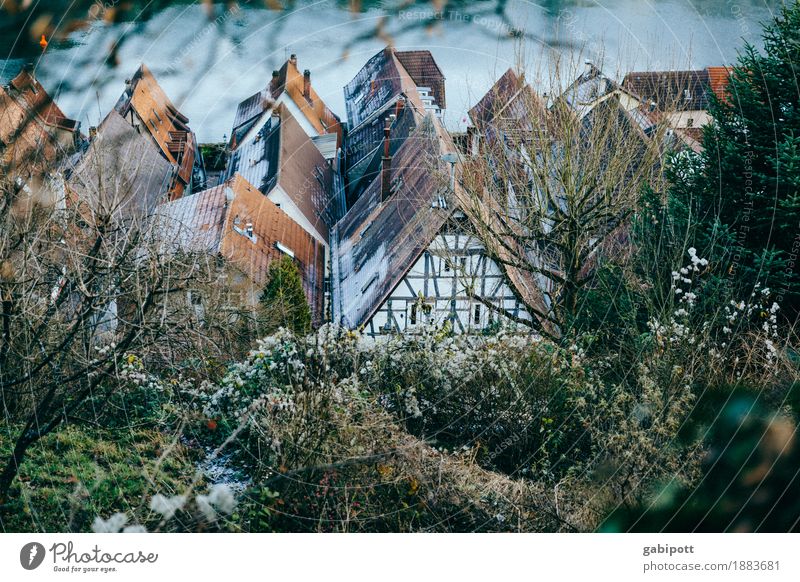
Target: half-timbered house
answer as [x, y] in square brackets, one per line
[408, 254]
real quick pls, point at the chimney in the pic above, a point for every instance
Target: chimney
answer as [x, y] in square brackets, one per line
[398, 108]
[386, 162]
[273, 84]
[587, 67]
[307, 84]
[92, 132]
[293, 59]
[249, 229]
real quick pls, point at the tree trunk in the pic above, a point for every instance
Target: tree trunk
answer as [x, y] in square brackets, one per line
[12, 465]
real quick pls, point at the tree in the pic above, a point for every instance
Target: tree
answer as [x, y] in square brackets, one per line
[81, 288]
[561, 181]
[283, 300]
[738, 202]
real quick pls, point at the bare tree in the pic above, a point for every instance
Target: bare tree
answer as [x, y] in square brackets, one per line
[80, 289]
[554, 182]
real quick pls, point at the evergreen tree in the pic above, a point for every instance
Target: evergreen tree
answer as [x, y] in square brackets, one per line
[738, 202]
[283, 299]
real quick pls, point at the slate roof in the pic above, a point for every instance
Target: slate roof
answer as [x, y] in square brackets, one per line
[215, 221]
[590, 86]
[382, 79]
[365, 147]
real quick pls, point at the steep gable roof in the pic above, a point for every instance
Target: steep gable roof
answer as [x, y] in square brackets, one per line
[378, 241]
[289, 80]
[283, 155]
[166, 125]
[376, 85]
[34, 131]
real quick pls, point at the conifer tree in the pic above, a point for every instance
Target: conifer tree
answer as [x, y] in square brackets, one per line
[283, 299]
[738, 202]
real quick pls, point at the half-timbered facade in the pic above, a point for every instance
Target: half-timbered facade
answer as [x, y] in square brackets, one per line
[452, 283]
[406, 254]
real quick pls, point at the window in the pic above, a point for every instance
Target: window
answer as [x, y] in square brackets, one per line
[690, 122]
[687, 94]
[413, 317]
[477, 315]
[446, 265]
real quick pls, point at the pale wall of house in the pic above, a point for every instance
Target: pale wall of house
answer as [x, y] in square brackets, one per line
[680, 119]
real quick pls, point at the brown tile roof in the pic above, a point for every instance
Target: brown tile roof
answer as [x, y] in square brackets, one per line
[216, 221]
[511, 105]
[425, 72]
[40, 102]
[718, 79]
[33, 129]
[283, 155]
[679, 90]
[305, 175]
[291, 81]
[167, 126]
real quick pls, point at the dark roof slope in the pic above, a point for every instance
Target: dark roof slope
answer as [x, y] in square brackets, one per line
[680, 90]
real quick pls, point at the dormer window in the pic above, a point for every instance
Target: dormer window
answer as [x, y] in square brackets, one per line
[687, 94]
[690, 122]
[284, 249]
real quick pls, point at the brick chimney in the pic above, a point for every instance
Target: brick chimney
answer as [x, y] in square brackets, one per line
[386, 162]
[398, 107]
[273, 84]
[307, 85]
[293, 59]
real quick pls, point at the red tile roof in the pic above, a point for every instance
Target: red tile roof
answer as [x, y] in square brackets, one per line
[216, 221]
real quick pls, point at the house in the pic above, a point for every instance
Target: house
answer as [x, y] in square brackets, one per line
[388, 81]
[120, 174]
[509, 112]
[285, 165]
[408, 254]
[293, 89]
[34, 133]
[146, 107]
[236, 222]
[518, 141]
[679, 98]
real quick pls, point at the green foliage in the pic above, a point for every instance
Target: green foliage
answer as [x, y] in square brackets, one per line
[738, 202]
[77, 473]
[749, 481]
[283, 300]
